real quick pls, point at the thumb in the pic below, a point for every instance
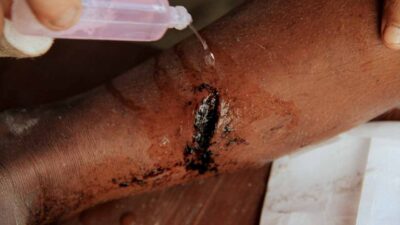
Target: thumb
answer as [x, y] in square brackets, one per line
[6, 6]
[391, 24]
[56, 14]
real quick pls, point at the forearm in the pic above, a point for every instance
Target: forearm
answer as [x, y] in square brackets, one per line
[286, 75]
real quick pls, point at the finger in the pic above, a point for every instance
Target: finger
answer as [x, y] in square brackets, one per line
[56, 14]
[6, 7]
[391, 24]
[1, 20]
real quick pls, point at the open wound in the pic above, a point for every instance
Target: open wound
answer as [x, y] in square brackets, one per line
[198, 155]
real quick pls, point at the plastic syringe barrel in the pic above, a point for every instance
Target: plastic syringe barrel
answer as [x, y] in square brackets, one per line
[125, 20]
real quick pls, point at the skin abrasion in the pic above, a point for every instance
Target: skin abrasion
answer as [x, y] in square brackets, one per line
[198, 156]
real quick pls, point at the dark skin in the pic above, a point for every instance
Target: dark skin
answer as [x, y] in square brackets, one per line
[311, 77]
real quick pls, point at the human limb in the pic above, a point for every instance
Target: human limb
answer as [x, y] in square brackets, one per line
[286, 75]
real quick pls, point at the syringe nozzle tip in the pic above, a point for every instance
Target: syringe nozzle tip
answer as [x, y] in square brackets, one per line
[180, 18]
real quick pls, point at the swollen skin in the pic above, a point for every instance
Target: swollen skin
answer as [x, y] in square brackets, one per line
[287, 74]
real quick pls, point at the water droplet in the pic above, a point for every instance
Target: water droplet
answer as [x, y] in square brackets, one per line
[209, 57]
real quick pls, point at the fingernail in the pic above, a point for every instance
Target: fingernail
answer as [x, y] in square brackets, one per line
[392, 35]
[66, 19]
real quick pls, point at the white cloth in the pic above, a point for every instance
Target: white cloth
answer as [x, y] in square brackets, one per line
[353, 179]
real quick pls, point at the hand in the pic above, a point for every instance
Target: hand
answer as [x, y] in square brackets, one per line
[54, 14]
[391, 24]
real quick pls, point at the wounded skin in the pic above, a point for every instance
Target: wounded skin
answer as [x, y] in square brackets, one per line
[286, 75]
[198, 156]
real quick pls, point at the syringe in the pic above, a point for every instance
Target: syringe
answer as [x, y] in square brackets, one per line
[125, 20]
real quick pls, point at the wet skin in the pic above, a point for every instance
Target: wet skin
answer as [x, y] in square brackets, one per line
[286, 75]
